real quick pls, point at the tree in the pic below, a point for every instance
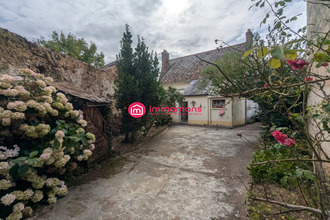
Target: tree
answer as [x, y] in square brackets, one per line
[75, 47]
[169, 97]
[246, 74]
[137, 82]
[295, 154]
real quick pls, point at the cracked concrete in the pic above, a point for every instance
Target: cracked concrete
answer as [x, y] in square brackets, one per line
[186, 172]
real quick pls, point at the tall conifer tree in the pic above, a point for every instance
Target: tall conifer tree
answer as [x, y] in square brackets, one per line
[136, 82]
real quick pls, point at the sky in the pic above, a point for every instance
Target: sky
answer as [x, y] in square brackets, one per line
[182, 27]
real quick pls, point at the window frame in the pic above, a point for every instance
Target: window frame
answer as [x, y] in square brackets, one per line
[221, 105]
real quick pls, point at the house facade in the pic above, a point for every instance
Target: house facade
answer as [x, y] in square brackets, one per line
[185, 74]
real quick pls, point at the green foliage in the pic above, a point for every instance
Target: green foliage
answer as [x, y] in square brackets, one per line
[288, 76]
[42, 140]
[251, 121]
[75, 47]
[169, 97]
[172, 96]
[255, 68]
[239, 74]
[137, 82]
[285, 173]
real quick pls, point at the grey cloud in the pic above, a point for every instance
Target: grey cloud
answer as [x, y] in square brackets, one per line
[145, 7]
[102, 21]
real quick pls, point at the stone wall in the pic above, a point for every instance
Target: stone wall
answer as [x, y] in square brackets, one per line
[16, 52]
[318, 17]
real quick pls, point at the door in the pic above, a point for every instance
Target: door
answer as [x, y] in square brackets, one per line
[184, 114]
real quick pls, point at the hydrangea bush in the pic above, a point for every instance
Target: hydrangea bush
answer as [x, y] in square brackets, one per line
[42, 139]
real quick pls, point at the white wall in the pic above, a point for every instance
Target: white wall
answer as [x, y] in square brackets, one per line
[200, 118]
[233, 116]
[238, 111]
[216, 118]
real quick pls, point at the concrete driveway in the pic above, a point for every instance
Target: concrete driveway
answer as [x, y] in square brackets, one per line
[186, 172]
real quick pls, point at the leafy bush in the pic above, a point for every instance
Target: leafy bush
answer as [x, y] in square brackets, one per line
[78, 48]
[169, 97]
[283, 172]
[42, 140]
[162, 119]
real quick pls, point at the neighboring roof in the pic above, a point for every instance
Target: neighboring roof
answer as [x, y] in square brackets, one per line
[187, 68]
[109, 65]
[79, 92]
[198, 88]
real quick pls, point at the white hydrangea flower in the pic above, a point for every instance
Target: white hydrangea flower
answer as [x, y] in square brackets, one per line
[37, 196]
[5, 184]
[90, 136]
[19, 207]
[8, 199]
[17, 105]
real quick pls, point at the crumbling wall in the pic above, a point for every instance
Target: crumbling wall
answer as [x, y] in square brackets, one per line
[16, 52]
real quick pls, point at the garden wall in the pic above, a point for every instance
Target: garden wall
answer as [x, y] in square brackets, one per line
[318, 17]
[16, 52]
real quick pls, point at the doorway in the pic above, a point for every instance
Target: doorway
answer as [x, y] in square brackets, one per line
[184, 114]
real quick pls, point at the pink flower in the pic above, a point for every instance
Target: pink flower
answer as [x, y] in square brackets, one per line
[308, 79]
[288, 142]
[297, 64]
[266, 85]
[279, 136]
[282, 138]
[325, 64]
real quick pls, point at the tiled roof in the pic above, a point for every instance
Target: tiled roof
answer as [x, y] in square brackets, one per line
[79, 92]
[108, 65]
[187, 68]
[197, 88]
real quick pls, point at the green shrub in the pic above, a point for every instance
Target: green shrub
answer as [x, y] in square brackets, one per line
[285, 173]
[162, 119]
[42, 140]
[251, 121]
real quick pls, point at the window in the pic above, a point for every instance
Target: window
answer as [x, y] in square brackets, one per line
[218, 103]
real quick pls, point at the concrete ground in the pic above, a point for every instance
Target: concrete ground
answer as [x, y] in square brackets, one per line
[186, 172]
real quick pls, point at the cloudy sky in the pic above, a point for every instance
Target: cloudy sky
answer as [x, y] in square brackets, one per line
[182, 27]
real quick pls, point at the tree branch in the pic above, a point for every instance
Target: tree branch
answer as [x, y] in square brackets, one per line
[289, 160]
[299, 207]
[229, 80]
[279, 87]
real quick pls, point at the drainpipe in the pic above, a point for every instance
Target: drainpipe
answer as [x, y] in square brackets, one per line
[208, 110]
[245, 110]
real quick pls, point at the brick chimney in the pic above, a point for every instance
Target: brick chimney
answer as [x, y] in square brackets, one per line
[249, 37]
[165, 60]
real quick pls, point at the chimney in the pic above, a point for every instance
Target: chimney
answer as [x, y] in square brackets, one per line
[249, 37]
[165, 60]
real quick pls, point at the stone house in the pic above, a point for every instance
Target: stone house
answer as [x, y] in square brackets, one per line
[185, 74]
